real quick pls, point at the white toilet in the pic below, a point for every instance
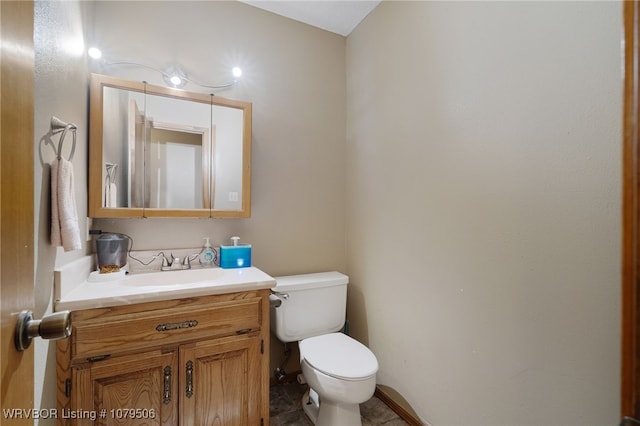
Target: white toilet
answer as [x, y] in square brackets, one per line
[340, 371]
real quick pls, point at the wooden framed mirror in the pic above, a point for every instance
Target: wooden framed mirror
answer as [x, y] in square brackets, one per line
[161, 152]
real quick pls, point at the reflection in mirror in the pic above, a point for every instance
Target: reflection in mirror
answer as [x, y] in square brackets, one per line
[177, 145]
[227, 183]
[117, 155]
[178, 169]
[166, 152]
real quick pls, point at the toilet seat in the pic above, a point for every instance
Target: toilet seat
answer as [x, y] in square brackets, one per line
[340, 356]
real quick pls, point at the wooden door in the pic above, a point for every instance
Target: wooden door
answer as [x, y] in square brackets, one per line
[630, 395]
[16, 203]
[222, 382]
[132, 390]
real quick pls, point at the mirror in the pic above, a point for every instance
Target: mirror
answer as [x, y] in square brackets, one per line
[161, 152]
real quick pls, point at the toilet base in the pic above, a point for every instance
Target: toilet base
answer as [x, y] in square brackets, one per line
[310, 406]
[330, 413]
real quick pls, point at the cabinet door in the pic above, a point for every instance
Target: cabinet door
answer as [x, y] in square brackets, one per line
[130, 390]
[221, 382]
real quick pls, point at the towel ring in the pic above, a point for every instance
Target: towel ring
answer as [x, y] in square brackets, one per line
[58, 126]
[61, 142]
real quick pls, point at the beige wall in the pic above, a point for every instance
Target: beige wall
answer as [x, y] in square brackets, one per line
[294, 76]
[60, 90]
[483, 205]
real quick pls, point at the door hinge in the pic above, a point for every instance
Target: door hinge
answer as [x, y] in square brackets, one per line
[67, 388]
[262, 346]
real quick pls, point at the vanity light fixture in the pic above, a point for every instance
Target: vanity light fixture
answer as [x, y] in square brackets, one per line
[174, 76]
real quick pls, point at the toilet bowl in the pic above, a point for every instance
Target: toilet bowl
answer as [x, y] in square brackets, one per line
[340, 371]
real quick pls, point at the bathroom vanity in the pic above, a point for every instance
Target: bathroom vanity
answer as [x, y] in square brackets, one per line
[193, 354]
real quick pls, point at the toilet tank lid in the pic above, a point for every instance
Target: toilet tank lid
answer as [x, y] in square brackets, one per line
[307, 281]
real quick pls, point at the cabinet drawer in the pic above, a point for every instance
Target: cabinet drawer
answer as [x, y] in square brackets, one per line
[140, 330]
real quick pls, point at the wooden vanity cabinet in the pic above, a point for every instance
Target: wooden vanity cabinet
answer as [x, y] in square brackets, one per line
[189, 362]
[131, 389]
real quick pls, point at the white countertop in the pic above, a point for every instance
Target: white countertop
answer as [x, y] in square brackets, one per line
[156, 286]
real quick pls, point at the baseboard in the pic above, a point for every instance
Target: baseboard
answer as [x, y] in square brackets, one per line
[405, 413]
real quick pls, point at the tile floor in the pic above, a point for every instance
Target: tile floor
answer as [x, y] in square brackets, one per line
[286, 408]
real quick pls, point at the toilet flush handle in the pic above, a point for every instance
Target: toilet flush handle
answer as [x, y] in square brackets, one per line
[276, 298]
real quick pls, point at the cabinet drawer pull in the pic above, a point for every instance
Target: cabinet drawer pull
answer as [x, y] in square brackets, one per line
[189, 371]
[244, 331]
[166, 395]
[98, 358]
[176, 325]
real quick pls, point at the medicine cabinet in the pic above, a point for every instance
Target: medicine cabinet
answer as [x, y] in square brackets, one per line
[161, 152]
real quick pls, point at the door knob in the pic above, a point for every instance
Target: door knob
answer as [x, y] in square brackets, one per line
[53, 326]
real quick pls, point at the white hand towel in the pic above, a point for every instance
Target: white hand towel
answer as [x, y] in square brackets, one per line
[107, 195]
[65, 230]
[111, 195]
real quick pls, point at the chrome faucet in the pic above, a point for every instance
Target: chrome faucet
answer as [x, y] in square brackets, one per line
[167, 263]
[173, 263]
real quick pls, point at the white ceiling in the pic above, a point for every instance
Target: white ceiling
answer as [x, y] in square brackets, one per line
[337, 16]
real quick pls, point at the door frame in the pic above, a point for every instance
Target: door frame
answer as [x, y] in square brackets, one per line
[630, 359]
[16, 201]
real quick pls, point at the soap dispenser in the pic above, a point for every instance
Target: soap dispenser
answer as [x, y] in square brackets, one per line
[236, 255]
[207, 255]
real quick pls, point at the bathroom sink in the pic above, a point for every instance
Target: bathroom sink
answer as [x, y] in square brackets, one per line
[161, 285]
[179, 277]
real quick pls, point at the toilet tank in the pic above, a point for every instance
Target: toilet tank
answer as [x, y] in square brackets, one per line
[312, 304]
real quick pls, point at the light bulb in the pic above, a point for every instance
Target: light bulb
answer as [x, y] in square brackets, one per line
[94, 52]
[175, 80]
[74, 46]
[237, 72]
